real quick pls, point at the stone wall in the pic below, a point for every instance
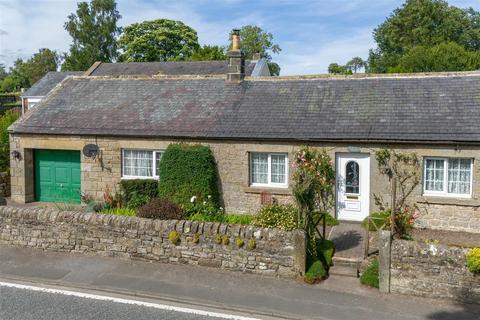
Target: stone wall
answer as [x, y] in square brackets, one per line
[5, 184]
[454, 217]
[277, 253]
[432, 270]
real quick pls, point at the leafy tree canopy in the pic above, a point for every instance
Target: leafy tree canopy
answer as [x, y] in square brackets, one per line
[356, 64]
[158, 40]
[207, 52]
[3, 72]
[25, 73]
[426, 23]
[335, 68]
[257, 41]
[94, 30]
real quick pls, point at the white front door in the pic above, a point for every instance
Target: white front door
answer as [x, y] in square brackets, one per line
[353, 186]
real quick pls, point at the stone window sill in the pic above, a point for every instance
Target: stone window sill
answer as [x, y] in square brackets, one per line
[449, 201]
[273, 191]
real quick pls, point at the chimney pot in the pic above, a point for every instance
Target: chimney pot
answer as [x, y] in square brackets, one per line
[235, 40]
[236, 59]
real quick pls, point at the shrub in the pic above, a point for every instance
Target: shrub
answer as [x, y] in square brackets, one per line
[174, 237]
[325, 250]
[473, 260]
[225, 240]
[378, 220]
[140, 189]
[205, 207]
[159, 208]
[370, 276]
[315, 272]
[252, 244]
[5, 121]
[120, 211]
[239, 242]
[276, 216]
[186, 171]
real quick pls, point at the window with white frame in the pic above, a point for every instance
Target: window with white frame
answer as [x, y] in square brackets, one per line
[448, 177]
[141, 163]
[268, 169]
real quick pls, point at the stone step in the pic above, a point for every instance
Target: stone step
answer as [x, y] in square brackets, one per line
[345, 267]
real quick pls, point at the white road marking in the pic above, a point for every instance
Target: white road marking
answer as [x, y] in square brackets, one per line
[127, 301]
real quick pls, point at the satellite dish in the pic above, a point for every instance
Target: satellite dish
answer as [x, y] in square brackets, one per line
[90, 151]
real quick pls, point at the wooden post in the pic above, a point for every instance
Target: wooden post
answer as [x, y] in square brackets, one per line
[394, 200]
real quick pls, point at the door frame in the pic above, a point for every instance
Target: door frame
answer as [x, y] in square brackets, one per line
[347, 154]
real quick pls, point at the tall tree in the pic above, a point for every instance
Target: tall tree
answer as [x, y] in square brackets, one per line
[335, 68]
[356, 64]
[157, 40]
[3, 72]
[94, 30]
[207, 52]
[38, 65]
[257, 41]
[423, 23]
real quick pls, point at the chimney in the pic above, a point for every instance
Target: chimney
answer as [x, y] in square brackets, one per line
[236, 60]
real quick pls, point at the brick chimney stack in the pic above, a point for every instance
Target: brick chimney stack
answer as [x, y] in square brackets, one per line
[236, 59]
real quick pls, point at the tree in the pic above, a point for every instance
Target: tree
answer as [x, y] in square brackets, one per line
[158, 40]
[255, 41]
[423, 23]
[38, 65]
[3, 72]
[207, 53]
[335, 68]
[356, 64]
[443, 57]
[94, 30]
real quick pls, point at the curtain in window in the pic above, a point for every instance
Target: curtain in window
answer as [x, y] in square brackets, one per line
[138, 163]
[278, 168]
[434, 170]
[459, 176]
[259, 168]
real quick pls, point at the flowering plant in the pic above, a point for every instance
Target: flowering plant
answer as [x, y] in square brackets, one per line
[404, 220]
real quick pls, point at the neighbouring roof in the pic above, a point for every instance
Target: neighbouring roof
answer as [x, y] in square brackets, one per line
[172, 68]
[434, 108]
[47, 83]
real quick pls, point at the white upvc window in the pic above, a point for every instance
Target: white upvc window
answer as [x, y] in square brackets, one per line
[141, 164]
[452, 177]
[268, 169]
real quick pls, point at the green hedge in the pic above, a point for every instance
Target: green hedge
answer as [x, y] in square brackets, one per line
[187, 171]
[139, 187]
[5, 121]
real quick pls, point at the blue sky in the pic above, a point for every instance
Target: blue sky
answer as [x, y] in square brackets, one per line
[312, 34]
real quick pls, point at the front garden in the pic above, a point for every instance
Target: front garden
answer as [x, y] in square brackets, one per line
[188, 190]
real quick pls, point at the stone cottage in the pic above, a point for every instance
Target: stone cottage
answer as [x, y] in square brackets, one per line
[253, 126]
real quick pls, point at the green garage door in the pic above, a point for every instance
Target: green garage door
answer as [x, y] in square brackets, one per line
[57, 176]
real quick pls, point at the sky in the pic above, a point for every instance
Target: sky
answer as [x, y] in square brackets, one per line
[312, 34]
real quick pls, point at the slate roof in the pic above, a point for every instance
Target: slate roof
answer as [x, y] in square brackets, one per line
[167, 68]
[47, 83]
[434, 108]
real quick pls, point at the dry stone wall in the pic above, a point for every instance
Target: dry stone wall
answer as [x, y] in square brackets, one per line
[432, 270]
[276, 252]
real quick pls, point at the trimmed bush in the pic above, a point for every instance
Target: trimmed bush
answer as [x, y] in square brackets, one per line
[315, 272]
[370, 276]
[325, 251]
[277, 216]
[473, 260]
[138, 192]
[162, 209]
[187, 171]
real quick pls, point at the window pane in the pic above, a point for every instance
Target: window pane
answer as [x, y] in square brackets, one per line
[352, 177]
[459, 171]
[434, 171]
[158, 158]
[138, 163]
[259, 167]
[278, 168]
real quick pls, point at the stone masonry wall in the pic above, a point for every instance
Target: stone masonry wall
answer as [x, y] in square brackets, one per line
[5, 184]
[277, 252]
[233, 166]
[431, 270]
